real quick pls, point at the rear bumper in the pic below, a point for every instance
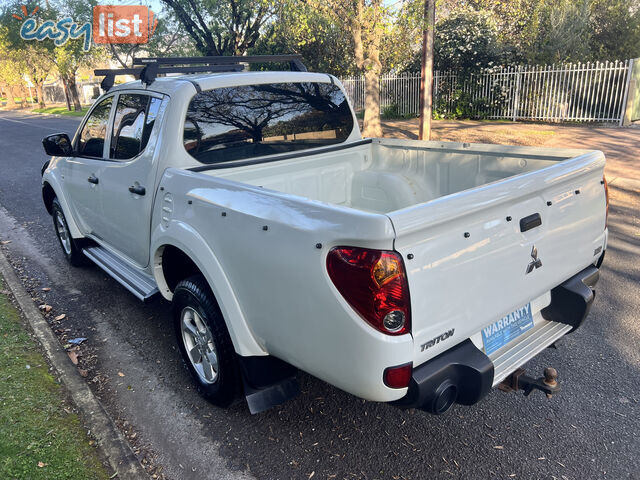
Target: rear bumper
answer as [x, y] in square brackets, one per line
[572, 300]
[464, 374]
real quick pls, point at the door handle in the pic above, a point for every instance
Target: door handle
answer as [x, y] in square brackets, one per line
[137, 189]
[93, 179]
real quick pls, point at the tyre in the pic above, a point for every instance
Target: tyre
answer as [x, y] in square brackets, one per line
[70, 246]
[205, 344]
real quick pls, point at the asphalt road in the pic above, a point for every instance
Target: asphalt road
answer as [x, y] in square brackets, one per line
[590, 430]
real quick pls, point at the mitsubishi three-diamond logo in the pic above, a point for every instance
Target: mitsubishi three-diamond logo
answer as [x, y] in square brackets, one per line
[535, 262]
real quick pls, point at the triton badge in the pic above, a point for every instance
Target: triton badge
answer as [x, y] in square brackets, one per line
[535, 262]
[436, 340]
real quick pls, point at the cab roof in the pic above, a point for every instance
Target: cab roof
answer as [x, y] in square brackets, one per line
[171, 84]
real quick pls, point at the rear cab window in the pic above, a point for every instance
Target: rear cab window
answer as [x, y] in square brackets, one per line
[132, 125]
[234, 123]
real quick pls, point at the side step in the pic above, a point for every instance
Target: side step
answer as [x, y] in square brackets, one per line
[140, 284]
[509, 358]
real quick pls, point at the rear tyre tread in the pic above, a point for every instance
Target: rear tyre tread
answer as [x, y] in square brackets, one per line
[196, 293]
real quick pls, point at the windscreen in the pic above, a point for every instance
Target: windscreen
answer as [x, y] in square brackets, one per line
[233, 123]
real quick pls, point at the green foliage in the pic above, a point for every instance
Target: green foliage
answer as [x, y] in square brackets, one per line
[467, 41]
[393, 112]
[457, 100]
[168, 40]
[548, 31]
[562, 34]
[36, 57]
[324, 43]
[224, 27]
[615, 29]
[11, 65]
[38, 438]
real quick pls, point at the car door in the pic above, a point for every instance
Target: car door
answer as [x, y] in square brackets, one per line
[127, 180]
[81, 172]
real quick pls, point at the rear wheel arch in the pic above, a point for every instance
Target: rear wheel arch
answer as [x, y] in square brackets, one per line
[167, 270]
[172, 265]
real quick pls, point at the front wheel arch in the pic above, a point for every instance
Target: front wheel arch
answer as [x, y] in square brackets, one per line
[71, 248]
[48, 194]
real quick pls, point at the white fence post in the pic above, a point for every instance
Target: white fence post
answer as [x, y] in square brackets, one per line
[591, 92]
[625, 96]
[516, 99]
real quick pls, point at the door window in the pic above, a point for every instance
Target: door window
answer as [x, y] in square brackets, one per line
[132, 125]
[91, 141]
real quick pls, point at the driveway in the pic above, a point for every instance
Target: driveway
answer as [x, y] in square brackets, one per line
[589, 430]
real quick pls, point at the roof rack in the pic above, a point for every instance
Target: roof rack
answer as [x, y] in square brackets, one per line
[147, 69]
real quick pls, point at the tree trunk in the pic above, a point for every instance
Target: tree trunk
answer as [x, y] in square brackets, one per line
[11, 100]
[23, 96]
[40, 94]
[372, 127]
[426, 77]
[75, 97]
[65, 87]
[367, 35]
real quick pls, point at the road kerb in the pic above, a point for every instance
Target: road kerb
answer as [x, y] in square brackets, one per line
[118, 452]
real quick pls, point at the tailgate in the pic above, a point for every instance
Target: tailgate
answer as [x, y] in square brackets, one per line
[468, 262]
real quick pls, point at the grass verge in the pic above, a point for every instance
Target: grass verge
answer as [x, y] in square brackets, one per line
[61, 111]
[40, 437]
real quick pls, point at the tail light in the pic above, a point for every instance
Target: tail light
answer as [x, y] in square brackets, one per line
[606, 196]
[374, 283]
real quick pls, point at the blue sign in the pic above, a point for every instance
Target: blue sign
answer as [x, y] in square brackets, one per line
[499, 333]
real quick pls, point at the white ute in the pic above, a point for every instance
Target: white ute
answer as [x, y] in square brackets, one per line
[418, 273]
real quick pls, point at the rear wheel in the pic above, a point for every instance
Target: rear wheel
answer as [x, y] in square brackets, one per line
[69, 245]
[204, 341]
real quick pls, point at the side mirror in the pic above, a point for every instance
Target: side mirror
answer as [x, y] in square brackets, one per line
[57, 145]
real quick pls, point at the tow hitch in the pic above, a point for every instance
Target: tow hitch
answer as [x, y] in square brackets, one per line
[519, 381]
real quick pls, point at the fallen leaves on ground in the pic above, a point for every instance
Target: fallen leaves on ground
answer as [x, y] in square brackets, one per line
[120, 374]
[73, 356]
[60, 317]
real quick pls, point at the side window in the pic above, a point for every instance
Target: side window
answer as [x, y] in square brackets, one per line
[91, 141]
[132, 125]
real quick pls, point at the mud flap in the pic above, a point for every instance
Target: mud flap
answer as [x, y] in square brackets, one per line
[268, 382]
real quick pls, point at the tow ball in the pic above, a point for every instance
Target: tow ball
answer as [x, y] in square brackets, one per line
[519, 381]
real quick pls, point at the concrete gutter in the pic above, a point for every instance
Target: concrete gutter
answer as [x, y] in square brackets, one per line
[118, 452]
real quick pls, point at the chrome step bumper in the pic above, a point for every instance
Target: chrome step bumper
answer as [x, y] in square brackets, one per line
[529, 344]
[140, 284]
[464, 374]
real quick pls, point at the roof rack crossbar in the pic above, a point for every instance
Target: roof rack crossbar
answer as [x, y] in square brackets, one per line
[149, 72]
[147, 69]
[220, 60]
